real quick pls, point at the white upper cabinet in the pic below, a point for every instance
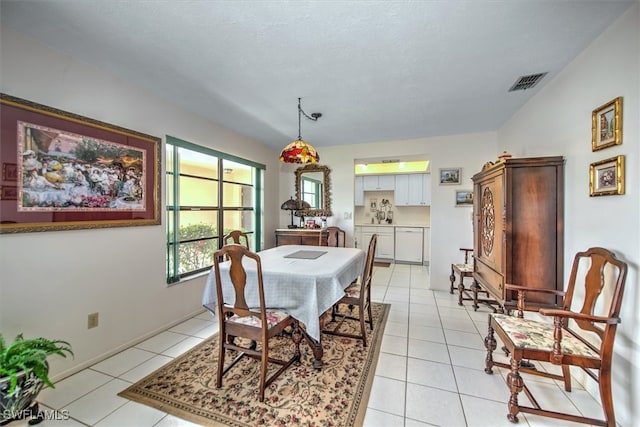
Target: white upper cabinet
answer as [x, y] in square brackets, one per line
[401, 194]
[426, 189]
[413, 190]
[379, 182]
[359, 192]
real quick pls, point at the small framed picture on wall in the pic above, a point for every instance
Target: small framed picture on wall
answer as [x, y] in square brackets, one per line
[606, 125]
[606, 177]
[450, 176]
[464, 198]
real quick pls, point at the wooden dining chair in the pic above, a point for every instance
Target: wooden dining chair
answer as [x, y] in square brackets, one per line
[238, 237]
[462, 269]
[574, 335]
[258, 325]
[357, 294]
[335, 237]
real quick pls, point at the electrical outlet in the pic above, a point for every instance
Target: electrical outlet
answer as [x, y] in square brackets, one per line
[92, 321]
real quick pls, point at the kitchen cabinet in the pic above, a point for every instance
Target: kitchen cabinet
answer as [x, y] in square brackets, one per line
[385, 246]
[420, 189]
[379, 182]
[518, 228]
[413, 190]
[401, 193]
[409, 244]
[359, 191]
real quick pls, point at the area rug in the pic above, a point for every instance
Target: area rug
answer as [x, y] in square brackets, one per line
[335, 395]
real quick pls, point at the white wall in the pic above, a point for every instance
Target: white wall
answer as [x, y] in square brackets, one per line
[451, 227]
[51, 281]
[557, 121]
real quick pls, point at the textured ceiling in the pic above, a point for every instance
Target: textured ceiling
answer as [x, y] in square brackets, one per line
[376, 70]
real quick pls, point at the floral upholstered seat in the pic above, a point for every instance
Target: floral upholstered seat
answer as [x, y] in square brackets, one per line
[353, 291]
[274, 316]
[537, 335]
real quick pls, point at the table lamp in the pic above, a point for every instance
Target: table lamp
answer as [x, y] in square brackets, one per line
[291, 205]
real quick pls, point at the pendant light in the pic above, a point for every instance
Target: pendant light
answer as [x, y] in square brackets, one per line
[300, 151]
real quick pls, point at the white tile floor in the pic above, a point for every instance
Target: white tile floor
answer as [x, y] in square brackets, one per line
[430, 371]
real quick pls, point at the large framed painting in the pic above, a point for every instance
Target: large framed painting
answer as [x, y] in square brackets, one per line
[67, 171]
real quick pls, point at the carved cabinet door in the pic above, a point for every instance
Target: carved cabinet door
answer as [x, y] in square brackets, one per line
[489, 233]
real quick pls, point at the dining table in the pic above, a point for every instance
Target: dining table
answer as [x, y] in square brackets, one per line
[305, 281]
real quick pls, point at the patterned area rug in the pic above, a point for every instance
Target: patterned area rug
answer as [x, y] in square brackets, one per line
[336, 395]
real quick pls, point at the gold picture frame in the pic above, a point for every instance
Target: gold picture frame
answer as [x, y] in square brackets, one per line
[606, 177]
[606, 125]
[71, 172]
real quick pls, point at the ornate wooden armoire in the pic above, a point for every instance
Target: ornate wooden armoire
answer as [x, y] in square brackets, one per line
[518, 228]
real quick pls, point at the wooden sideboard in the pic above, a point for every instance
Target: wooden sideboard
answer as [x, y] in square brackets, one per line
[300, 236]
[518, 228]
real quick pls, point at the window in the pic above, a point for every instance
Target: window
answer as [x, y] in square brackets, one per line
[208, 194]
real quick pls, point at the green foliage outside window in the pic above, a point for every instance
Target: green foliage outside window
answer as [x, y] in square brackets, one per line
[196, 254]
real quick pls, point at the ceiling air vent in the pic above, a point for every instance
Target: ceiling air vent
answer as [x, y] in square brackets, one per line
[527, 82]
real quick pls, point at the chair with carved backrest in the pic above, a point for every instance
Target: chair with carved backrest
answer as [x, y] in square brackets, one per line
[357, 294]
[257, 325]
[568, 336]
[335, 237]
[238, 237]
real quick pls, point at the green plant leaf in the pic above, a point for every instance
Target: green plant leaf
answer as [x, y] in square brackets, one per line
[29, 355]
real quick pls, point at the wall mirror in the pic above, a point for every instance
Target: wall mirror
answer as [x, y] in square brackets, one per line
[313, 185]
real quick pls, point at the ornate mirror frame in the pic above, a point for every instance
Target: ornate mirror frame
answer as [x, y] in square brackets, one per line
[326, 197]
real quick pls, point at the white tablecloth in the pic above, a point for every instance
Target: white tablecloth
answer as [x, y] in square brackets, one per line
[305, 288]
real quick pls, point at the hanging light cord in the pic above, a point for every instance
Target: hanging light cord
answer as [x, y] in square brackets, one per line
[313, 116]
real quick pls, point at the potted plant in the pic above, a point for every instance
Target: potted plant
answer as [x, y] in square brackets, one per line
[23, 372]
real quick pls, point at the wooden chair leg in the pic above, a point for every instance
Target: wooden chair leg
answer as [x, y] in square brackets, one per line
[566, 373]
[296, 336]
[221, 351]
[452, 278]
[516, 384]
[490, 344]
[334, 311]
[606, 397]
[363, 329]
[475, 288]
[264, 360]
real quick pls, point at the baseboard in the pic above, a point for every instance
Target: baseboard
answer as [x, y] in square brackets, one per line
[74, 370]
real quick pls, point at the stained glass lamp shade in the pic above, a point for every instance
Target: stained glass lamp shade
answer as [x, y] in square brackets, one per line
[299, 151]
